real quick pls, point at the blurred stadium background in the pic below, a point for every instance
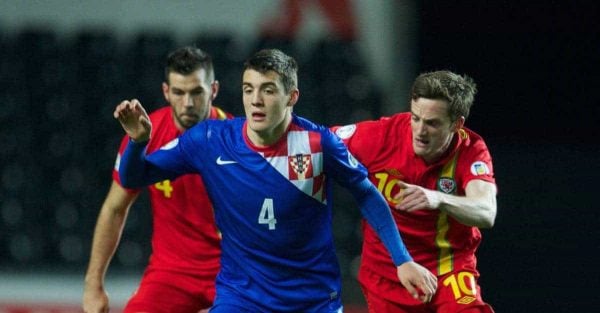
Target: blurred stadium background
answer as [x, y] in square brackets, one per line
[66, 64]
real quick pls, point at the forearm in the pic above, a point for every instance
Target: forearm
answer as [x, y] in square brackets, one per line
[479, 211]
[135, 169]
[376, 211]
[107, 235]
[133, 165]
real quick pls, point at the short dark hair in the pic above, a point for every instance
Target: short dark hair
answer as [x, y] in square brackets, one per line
[459, 91]
[275, 60]
[187, 60]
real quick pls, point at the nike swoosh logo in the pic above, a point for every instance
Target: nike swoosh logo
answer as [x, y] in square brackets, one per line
[224, 162]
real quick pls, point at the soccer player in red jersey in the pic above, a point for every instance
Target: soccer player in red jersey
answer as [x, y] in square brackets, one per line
[180, 276]
[438, 179]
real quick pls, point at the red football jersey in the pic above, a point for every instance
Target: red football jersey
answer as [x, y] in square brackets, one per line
[184, 238]
[434, 239]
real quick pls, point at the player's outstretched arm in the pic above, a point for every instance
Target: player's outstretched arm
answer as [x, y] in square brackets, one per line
[109, 227]
[476, 208]
[134, 120]
[136, 169]
[419, 281]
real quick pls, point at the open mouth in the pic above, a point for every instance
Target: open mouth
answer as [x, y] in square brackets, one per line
[421, 142]
[190, 115]
[258, 116]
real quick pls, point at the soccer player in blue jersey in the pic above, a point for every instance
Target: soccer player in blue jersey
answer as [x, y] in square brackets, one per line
[268, 176]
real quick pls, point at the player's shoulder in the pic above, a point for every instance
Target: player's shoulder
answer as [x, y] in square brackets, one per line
[223, 123]
[306, 124]
[160, 114]
[163, 126]
[470, 137]
[367, 128]
[394, 126]
[395, 120]
[161, 111]
[472, 143]
[216, 126]
[219, 114]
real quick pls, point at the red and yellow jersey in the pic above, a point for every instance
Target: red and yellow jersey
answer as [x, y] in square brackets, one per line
[434, 239]
[185, 237]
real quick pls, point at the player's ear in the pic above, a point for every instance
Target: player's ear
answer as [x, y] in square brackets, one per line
[165, 90]
[459, 123]
[214, 88]
[294, 95]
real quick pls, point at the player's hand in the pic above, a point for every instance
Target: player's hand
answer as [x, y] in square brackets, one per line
[95, 300]
[413, 197]
[134, 119]
[419, 281]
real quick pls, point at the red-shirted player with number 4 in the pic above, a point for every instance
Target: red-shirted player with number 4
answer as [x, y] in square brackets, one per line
[180, 277]
[437, 177]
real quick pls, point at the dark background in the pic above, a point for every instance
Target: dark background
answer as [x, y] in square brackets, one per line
[537, 68]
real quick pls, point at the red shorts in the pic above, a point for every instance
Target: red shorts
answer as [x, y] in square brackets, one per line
[168, 292]
[456, 292]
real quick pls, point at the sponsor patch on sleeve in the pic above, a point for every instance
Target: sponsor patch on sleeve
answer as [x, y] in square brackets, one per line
[479, 168]
[346, 132]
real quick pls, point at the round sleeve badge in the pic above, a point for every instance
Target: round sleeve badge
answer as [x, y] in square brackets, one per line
[345, 132]
[479, 168]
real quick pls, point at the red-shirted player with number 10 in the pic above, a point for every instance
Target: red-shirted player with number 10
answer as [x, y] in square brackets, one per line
[437, 177]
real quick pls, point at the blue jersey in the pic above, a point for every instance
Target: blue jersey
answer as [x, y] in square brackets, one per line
[271, 205]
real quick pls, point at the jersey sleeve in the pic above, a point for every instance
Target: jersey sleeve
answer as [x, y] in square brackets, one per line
[476, 163]
[172, 160]
[115, 171]
[375, 210]
[361, 138]
[340, 164]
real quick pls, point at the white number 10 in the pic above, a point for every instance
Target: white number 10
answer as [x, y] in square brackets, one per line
[267, 214]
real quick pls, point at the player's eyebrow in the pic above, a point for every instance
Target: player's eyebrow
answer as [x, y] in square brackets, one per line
[426, 120]
[263, 85]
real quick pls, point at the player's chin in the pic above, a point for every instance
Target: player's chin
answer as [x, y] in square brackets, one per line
[419, 151]
[189, 120]
[258, 124]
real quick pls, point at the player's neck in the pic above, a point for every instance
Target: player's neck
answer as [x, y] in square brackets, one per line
[443, 152]
[182, 129]
[269, 136]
